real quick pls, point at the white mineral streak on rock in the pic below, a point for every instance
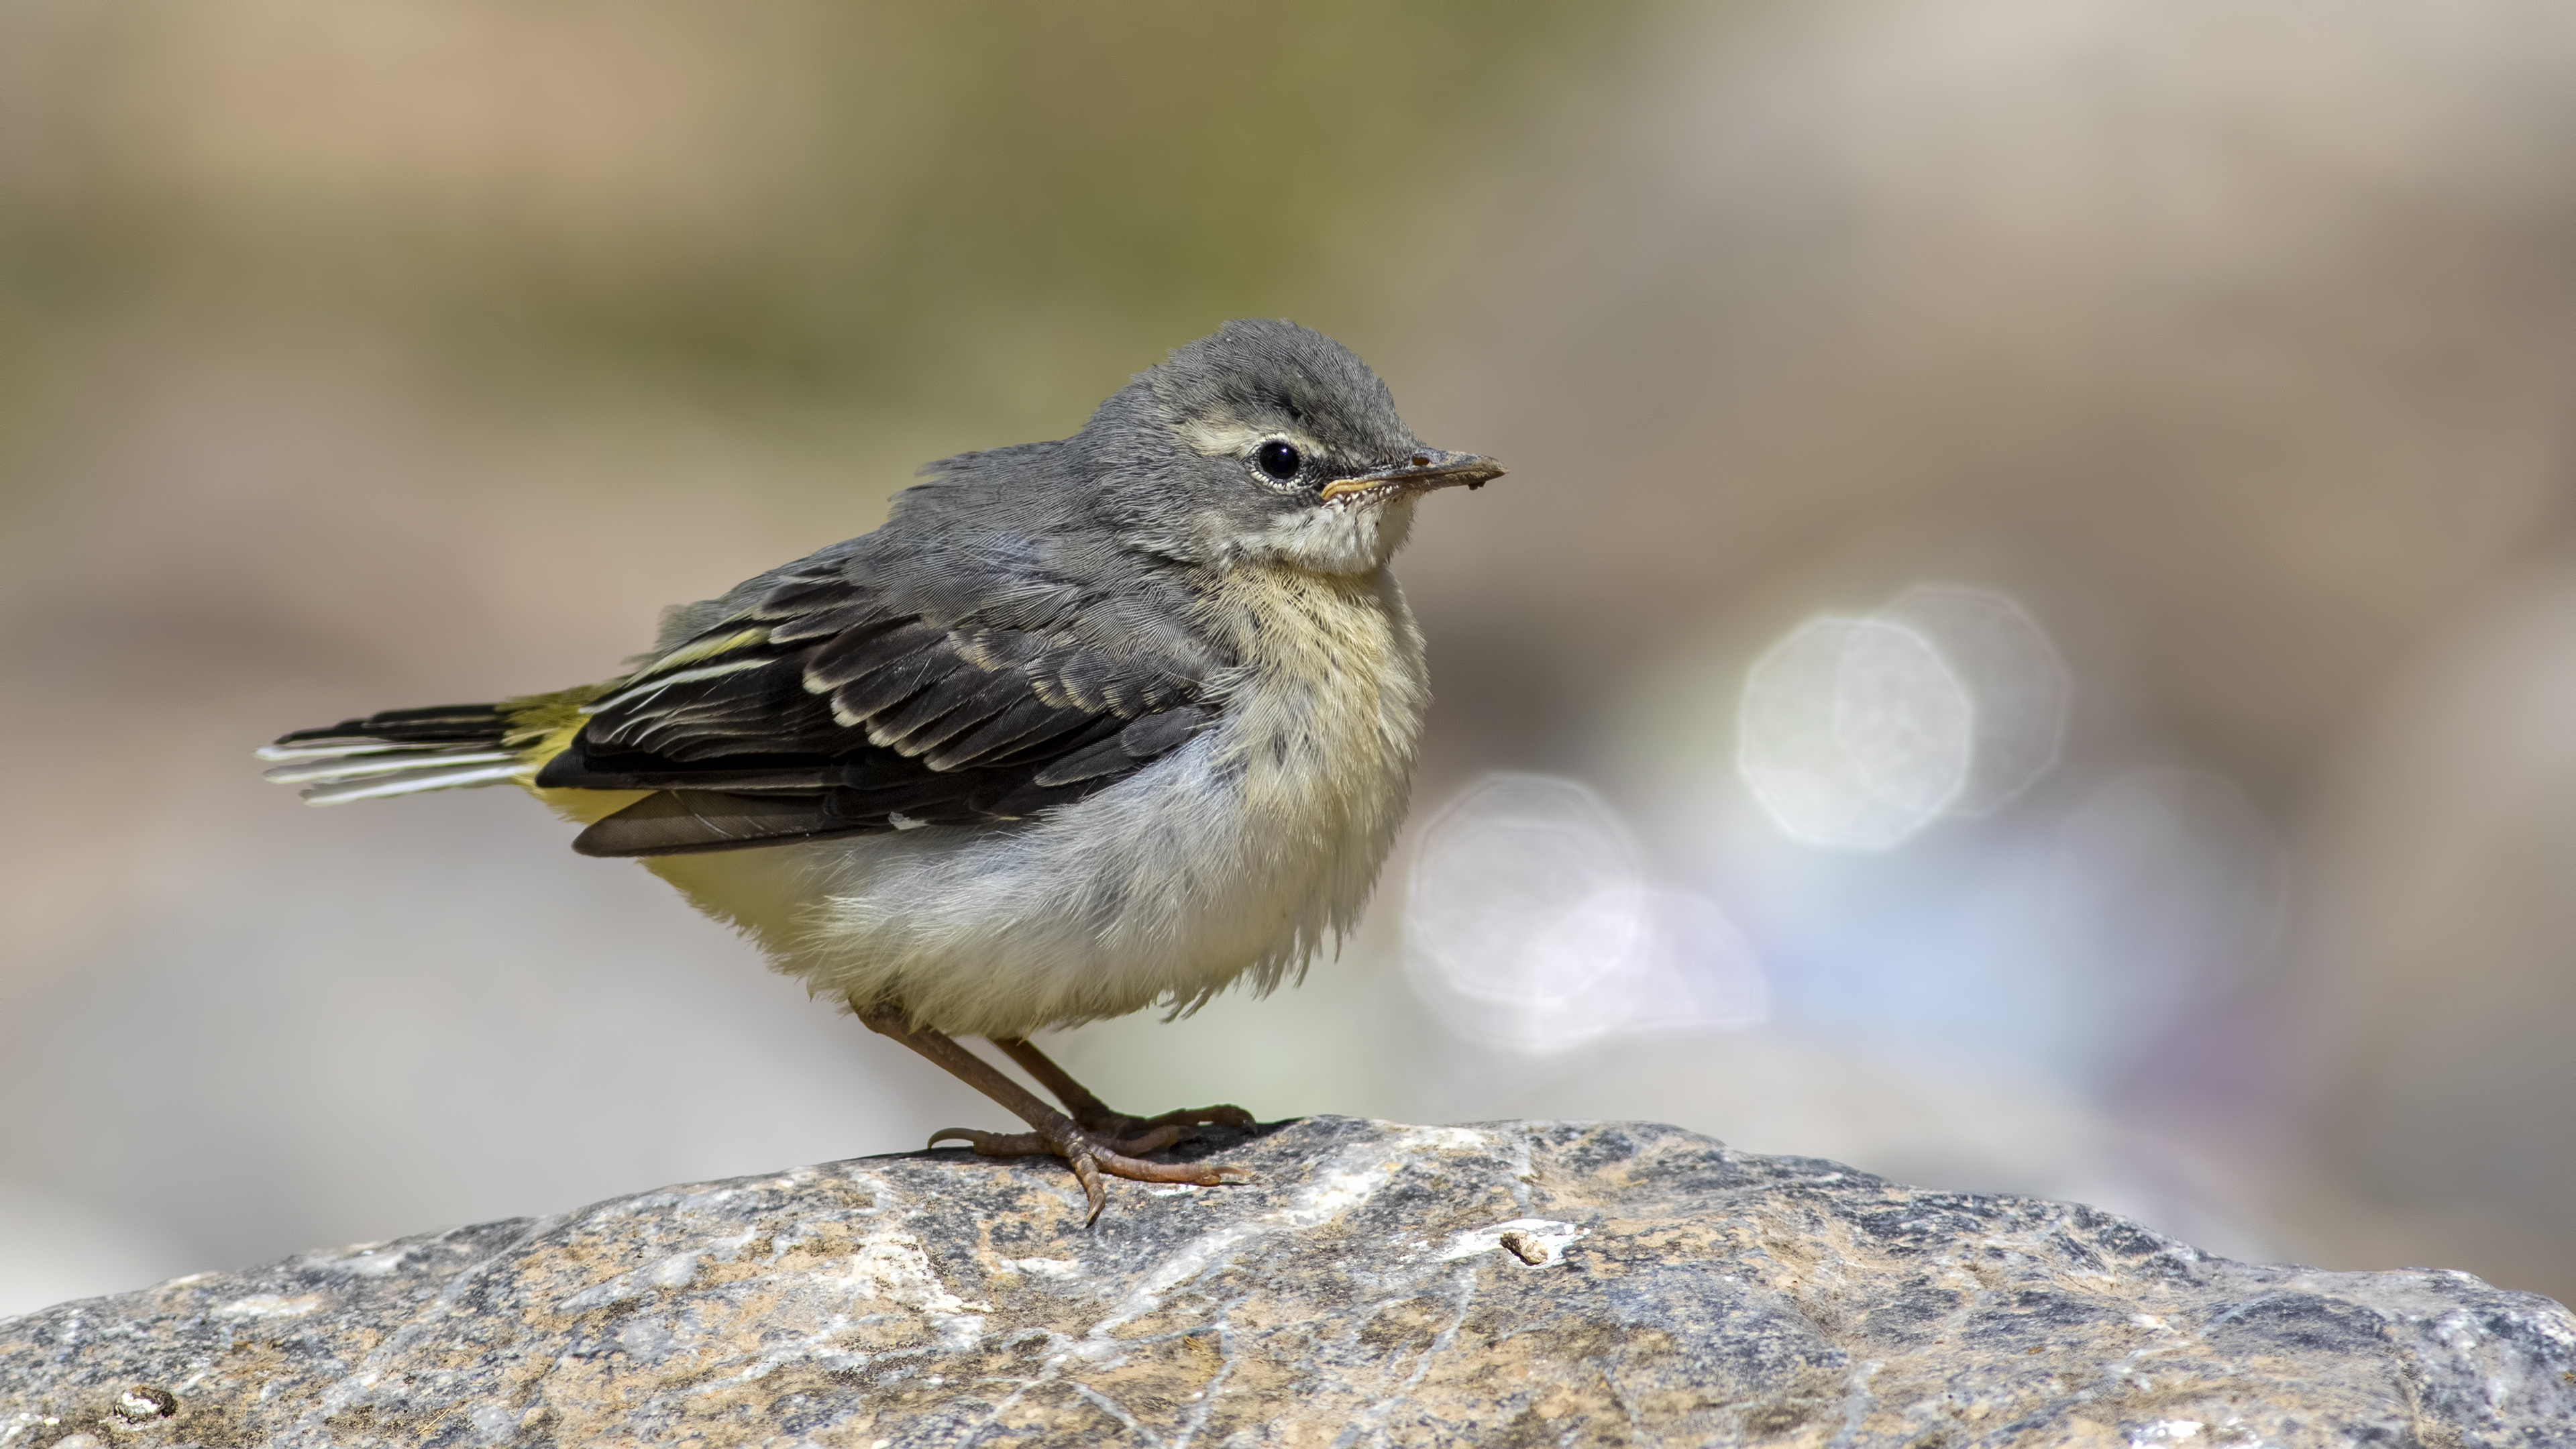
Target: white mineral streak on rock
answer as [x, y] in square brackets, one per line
[599, 1295]
[647, 1339]
[269, 1305]
[1546, 1235]
[366, 1262]
[958, 1332]
[891, 1266]
[1351, 1177]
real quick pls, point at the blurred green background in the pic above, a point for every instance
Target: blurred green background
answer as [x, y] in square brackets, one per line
[366, 356]
[980, 217]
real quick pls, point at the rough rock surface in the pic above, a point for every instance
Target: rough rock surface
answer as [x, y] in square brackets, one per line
[1507, 1284]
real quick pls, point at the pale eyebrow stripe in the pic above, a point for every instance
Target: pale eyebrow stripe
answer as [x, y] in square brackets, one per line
[1218, 440]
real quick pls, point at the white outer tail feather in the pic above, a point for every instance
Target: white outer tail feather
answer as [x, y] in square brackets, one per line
[331, 770]
[372, 771]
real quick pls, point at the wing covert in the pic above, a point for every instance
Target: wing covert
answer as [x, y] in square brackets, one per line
[824, 706]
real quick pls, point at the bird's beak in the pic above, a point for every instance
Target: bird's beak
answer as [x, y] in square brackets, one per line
[1420, 472]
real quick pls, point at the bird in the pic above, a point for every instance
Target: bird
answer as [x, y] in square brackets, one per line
[1086, 726]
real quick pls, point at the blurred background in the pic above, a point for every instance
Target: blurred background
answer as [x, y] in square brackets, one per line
[2030, 642]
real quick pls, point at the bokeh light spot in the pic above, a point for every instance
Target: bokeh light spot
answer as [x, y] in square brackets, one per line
[2013, 677]
[1855, 733]
[1529, 924]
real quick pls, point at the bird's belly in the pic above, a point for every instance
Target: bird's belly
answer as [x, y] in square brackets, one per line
[1213, 864]
[1163, 888]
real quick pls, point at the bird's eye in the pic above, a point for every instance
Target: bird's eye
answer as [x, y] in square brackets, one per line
[1279, 460]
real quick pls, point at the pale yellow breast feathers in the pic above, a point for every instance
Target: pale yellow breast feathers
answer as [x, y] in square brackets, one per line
[1326, 713]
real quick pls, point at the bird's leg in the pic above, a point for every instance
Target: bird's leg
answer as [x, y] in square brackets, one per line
[1096, 1115]
[1053, 1134]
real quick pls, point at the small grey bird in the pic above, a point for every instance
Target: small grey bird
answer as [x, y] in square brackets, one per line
[1087, 726]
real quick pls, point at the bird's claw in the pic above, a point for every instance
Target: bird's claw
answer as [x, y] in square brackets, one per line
[1119, 1124]
[1090, 1157]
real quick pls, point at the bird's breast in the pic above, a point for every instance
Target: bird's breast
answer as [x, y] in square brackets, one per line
[1322, 720]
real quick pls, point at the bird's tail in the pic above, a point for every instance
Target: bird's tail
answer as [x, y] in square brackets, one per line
[405, 751]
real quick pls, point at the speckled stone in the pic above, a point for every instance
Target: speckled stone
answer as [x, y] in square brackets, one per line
[1520, 1283]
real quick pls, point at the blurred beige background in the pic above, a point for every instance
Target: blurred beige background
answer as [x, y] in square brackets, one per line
[2166, 406]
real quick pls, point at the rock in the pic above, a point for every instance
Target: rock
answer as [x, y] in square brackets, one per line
[1517, 1283]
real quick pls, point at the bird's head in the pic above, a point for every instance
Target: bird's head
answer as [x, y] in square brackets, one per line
[1265, 443]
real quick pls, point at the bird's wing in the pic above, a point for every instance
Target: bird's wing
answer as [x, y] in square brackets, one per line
[827, 705]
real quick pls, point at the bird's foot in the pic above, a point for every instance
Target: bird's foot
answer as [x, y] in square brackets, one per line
[1090, 1156]
[1109, 1123]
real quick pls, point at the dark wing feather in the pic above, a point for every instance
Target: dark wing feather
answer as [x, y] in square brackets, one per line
[826, 707]
[681, 822]
[1030, 728]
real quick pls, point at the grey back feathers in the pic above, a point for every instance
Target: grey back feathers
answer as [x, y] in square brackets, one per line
[1027, 628]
